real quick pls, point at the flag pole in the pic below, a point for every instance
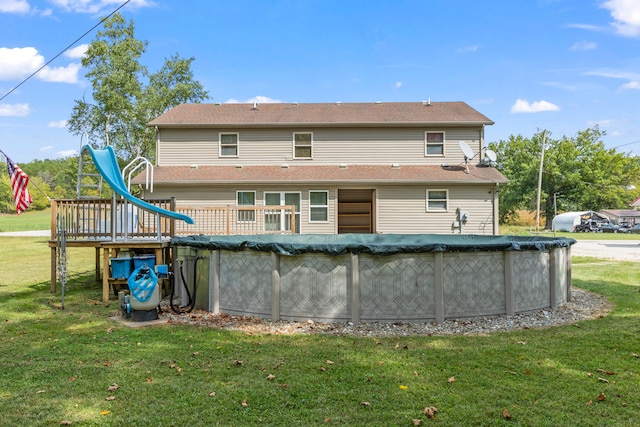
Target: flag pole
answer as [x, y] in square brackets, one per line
[30, 181]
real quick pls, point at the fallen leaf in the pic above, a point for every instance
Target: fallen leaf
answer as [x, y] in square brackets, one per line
[213, 393]
[322, 368]
[244, 402]
[329, 362]
[284, 385]
[65, 423]
[107, 363]
[451, 379]
[430, 411]
[416, 421]
[506, 415]
[415, 373]
[149, 379]
[196, 353]
[72, 379]
[271, 377]
[602, 397]
[237, 362]
[604, 371]
[113, 387]
[603, 380]
[635, 355]
[522, 342]
[403, 387]
[365, 404]
[179, 370]
[111, 398]
[41, 391]
[589, 403]
[107, 412]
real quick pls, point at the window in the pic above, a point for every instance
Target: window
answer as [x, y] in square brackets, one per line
[302, 144]
[280, 220]
[437, 200]
[318, 206]
[246, 198]
[434, 144]
[228, 145]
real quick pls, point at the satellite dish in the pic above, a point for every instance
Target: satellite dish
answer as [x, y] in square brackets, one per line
[466, 150]
[491, 155]
[468, 154]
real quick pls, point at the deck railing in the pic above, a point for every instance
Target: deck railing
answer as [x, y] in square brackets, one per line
[92, 219]
[238, 220]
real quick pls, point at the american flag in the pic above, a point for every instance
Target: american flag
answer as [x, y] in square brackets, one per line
[19, 182]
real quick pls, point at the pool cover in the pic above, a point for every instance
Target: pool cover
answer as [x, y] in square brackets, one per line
[374, 244]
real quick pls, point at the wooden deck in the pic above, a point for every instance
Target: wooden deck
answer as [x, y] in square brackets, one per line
[88, 223]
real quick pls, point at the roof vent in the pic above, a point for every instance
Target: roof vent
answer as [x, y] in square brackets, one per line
[338, 103]
[343, 166]
[193, 167]
[255, 105]
[284, 166]
[379, 102]
[395, 165]
[238, 166]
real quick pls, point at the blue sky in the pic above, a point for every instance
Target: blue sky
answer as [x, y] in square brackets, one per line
[529, 65]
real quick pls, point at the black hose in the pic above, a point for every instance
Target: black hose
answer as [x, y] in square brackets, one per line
[191, 298]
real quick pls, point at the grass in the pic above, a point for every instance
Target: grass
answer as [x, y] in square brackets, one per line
[29, 220]
[59, 365]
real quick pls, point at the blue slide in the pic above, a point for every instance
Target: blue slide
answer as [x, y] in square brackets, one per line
[107, 164]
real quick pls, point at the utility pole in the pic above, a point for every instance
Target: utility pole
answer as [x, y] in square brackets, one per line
[544, 142]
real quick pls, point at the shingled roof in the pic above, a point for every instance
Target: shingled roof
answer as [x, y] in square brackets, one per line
[322, 114]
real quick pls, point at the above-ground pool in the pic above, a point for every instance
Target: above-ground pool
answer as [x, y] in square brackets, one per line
[373, 277]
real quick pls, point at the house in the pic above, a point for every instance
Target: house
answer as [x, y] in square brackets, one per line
[380, 167]
[622, 216]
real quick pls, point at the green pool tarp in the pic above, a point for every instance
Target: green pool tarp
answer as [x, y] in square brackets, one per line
[374, 244]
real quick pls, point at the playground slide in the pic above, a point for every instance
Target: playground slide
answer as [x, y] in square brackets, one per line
[107, 164]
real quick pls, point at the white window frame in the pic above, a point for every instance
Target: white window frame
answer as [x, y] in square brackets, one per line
[427, 144]
[429, 200]
[297, 213]
[310, 145]
[324, 206]
[220, 144]
[245, 216]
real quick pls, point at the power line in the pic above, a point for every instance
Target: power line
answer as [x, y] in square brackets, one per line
[64, 50]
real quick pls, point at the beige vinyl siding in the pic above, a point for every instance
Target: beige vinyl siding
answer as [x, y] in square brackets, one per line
[182, 147]
[402, 209]
[201, 196]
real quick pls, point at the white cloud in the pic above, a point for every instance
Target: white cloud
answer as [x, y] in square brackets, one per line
[77, 52]
[68, 74]
[59, 124]
[631, 85]
[46, 148]
[259, 99]
[523, 106]
[67, 153]
[584, 45]
[14, 6]
[398, 85]
[632, 77]
[14, 110]
[626, 16]
[97, 6]
[468, 49]
[18, 63]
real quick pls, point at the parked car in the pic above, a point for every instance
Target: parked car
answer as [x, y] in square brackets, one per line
[611, 228]
[586, 227]
[634, 229]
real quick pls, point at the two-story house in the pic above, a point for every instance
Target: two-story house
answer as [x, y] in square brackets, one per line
[397, 167]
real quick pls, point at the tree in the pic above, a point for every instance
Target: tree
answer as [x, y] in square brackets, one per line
[125, 96]
[579, 171]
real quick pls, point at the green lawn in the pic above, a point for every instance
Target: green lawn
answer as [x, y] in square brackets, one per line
[77, 366]
[29, 220]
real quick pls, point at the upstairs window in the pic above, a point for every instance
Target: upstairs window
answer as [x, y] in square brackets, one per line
[302, 145]
[228, 145]
[434, 144]
[437, 200]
